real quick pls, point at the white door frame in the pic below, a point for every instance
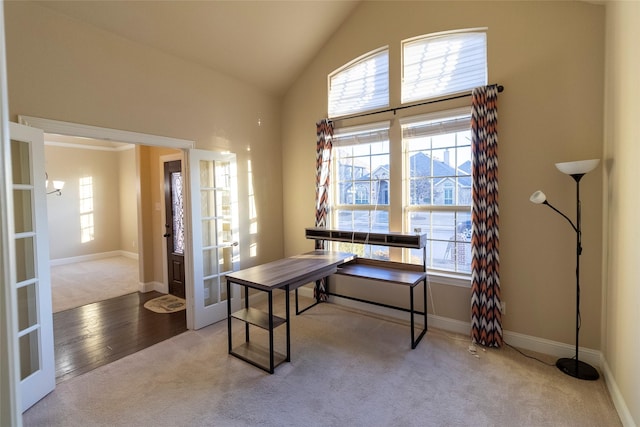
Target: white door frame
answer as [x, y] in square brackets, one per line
[95, 132]
[10, 400]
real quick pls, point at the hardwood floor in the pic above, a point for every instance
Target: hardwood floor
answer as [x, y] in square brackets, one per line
[99, 333]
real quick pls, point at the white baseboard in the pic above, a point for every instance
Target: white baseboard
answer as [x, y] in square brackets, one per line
[152, 286]
[616, 397]
[521, 341]
[92, 257]
[525, 342]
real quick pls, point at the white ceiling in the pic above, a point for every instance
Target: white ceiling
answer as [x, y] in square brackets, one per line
[264, 43]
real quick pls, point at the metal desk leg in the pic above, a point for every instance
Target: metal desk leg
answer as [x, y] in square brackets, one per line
[246, 305]
[229, 315]
[271, 361]
[286, 303]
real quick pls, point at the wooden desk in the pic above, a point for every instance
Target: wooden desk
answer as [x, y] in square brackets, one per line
[285, 274]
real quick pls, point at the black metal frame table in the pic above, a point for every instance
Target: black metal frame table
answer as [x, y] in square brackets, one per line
[285, 274]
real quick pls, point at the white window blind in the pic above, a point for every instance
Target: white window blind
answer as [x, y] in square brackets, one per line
[440, 65]
[364, 134]
[436, 124]
[360, 86]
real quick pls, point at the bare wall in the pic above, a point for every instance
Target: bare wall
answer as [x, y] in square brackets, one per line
[620, 343]
[549, 57]
[62, 69]
[71, 165]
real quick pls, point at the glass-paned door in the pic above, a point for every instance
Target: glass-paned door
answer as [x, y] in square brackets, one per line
[214, 219]
[33, 284]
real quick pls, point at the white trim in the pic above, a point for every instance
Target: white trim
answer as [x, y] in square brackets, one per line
[92, 257]
[152, 286]
[89, 147]
[525, 342]
[10, 396]
[617, 397]
[449, 280]
[95, 132]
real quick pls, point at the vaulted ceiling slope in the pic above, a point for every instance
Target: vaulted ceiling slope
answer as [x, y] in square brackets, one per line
[263, 43]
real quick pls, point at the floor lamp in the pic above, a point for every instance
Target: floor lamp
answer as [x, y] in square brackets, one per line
[574, 366]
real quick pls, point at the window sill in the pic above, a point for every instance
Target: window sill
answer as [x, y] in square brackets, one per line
[463, 281]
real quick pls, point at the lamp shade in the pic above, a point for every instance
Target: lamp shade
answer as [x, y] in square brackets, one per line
[58, 185]
[538, 197]
[578, 167]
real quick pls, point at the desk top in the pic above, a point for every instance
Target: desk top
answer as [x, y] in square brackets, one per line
[293, 271]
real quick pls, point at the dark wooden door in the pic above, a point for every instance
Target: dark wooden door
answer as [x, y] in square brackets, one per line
[174, 226]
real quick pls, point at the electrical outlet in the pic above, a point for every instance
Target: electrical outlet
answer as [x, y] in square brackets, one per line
[503, 307]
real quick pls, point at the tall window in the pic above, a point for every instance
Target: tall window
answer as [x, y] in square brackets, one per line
[361, 183]
[86, 209]
[434, 150]
[437, 176]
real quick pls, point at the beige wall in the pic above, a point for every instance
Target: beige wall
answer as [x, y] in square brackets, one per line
[620, 342]
[63, 212]
[549, 56]
[62, 69]
[116, 222]
[128, 200]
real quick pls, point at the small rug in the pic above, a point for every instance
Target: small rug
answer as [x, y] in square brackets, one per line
[166, 304]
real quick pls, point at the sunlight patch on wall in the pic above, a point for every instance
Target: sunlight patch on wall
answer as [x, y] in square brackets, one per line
[253, 215]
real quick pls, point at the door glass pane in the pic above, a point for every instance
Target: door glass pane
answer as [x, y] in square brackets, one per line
[208, 203]
[208, 232]
[206, 173]
[211, 290]
[25, 259]
[209, 262]
[27, 306]
[178, 212]
[20, 162]
[226, 258]
[29, 360]
[22, 211]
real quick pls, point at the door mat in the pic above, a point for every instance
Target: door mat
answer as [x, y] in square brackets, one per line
[166, 304]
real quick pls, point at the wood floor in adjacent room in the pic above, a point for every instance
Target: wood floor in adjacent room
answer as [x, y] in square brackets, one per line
[96, 334]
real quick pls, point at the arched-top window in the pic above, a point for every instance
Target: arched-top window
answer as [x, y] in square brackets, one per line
[442, 64]
[360, 85]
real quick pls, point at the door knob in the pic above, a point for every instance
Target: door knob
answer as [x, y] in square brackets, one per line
[166, 235]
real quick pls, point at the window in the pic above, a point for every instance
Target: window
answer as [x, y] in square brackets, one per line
[437, 176]
[443, 64]
[86, 209]
[360, 184]
[434, 150]
[361, 85]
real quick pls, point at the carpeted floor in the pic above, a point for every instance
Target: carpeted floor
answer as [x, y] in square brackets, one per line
[347, 369]
[82, 283]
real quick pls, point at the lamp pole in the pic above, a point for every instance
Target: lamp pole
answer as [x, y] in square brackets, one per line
[574, 366]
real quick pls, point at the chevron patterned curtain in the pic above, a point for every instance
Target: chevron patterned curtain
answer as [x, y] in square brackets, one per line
[324, 136]
[486, 315]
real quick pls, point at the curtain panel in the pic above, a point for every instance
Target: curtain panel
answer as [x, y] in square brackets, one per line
[486, 315]
[324, 143]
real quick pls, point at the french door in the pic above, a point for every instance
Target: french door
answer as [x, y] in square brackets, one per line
[214, 225]
[33, 283]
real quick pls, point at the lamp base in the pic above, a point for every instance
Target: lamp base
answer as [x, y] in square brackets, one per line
[577, 369]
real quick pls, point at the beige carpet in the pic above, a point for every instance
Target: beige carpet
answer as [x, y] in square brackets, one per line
[81, 283]
[347, 369]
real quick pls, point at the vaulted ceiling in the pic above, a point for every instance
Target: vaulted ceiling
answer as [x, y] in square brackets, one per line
[266, 43]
